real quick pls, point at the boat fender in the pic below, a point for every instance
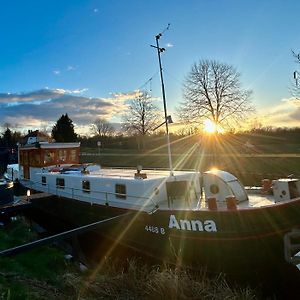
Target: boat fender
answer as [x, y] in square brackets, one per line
[212, 203]
[231, 203]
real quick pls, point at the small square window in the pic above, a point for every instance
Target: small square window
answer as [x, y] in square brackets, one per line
[44, 180]
[86, 187]
[60, 183]
[121, 191]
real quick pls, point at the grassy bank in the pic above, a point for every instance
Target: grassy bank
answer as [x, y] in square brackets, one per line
[249, 168]
[44, 273]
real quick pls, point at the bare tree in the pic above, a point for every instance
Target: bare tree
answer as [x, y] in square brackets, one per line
[102, 128]
[212, 90]
[142, 115]
[6, 126]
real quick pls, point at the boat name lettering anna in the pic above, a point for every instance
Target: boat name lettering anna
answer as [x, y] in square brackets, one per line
[192, 225]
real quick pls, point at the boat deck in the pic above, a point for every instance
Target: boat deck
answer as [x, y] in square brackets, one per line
[255, 200]
[125, 173]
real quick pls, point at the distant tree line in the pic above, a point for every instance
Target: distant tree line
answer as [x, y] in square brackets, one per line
[122, 140]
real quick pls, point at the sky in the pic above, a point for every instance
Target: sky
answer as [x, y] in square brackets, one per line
[88, 57]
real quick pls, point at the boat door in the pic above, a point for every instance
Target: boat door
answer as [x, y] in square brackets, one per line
[26, 172]
[177, 190]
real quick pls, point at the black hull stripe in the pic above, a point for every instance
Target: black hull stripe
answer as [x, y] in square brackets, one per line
[250, 237]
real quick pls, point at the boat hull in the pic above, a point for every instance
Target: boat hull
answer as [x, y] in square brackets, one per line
[228, 241]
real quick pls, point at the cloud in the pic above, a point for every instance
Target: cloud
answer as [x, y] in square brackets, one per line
[79, 91]
[285, 114]
[71, 68]
[126, 96]
[295, 116]
[39, 95]
[56, 72]
[95, 10]
[43, 107]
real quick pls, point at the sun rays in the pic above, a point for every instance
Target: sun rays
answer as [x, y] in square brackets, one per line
[198, 152]
[210, 127]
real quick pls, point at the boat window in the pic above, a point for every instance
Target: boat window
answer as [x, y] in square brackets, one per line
[214, 189]
[121, 191]
[60, 183]
[294, 192]
[44, 181]
[49, 156]
[72, 155]
[86, 186]
[62, 155]
[34, 159]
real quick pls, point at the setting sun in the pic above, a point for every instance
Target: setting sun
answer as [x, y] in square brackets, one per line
[211, 127]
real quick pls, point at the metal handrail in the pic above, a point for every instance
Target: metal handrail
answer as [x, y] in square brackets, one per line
[68, 191]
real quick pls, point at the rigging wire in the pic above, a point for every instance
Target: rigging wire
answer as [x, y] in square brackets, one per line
[149, 81]
[156, 73]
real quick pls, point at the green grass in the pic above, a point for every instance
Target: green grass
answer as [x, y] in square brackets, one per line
[134, 279]
[250, 169]
[24, 275]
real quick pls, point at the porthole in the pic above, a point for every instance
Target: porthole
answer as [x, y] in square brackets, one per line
[120, 190]
[214, 189]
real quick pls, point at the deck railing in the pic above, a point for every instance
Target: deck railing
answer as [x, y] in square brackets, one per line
[93, 197]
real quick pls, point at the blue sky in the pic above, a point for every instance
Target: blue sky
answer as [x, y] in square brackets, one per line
[87, 57]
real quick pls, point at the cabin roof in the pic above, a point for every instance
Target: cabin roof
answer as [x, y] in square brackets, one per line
[227, 177]
[127, 174]
[46, 145]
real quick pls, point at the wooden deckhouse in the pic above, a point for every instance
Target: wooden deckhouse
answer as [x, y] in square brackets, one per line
[37, 153]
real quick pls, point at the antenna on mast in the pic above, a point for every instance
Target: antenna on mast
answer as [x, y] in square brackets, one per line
[167, 118]
[167, 28]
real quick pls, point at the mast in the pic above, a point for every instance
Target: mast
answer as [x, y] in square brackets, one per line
[159, 51]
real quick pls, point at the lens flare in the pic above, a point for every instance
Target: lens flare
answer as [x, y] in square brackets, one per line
[211, 127]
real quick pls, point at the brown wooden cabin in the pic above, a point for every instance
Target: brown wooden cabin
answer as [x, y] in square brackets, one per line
[39, 155]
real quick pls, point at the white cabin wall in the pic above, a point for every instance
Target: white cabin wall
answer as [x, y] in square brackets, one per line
[34, 175]
[222, 188]
[139, 193]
